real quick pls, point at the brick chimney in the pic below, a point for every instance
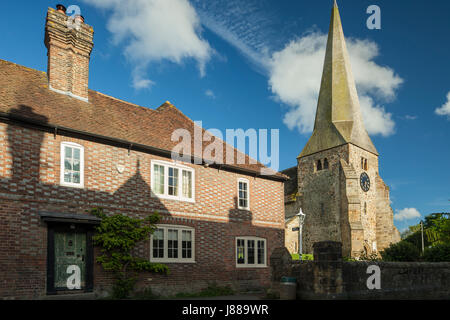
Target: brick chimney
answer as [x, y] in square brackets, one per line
[69, 42]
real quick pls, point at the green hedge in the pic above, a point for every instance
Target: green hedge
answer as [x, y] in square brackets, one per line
[403, 251]
[437, 253]
[306, 257]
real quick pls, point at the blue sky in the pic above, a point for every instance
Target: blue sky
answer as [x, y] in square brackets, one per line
[257, 64]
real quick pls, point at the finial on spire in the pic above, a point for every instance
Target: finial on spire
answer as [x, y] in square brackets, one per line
[335, 4]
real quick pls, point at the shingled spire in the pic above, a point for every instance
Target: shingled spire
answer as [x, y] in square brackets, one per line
[338, 116]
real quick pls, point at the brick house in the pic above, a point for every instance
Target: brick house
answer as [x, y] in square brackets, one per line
[65, 149]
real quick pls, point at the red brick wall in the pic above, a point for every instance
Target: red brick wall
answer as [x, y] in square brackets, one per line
[30, 182]
[68, 54]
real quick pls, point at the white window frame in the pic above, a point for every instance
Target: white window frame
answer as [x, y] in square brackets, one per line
[248, 193]
[180, 168]
[62, 156]
[246, 264]
[180, 229]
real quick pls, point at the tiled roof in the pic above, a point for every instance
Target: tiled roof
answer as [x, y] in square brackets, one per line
[25, 93]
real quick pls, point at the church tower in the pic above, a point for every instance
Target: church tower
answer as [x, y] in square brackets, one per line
[339, 187]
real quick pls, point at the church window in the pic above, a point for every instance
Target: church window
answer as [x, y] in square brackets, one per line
[325, 163]
[319, 165]
[365, 207]
[364, 165]
[322, 208]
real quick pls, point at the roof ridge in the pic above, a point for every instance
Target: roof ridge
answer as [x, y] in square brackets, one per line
[120, 100]
[21, 66]
[93, 91]
[169, 106]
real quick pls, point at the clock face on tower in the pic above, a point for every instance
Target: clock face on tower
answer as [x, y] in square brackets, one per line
[364, 181]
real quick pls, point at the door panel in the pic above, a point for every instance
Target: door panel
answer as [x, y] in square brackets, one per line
[70, 249]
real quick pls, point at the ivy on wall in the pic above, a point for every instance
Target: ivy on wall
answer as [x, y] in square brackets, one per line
[117, 236]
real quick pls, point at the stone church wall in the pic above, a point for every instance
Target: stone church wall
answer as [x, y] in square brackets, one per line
[320, 196]
[335, 205]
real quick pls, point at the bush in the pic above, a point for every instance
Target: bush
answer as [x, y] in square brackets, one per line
[401, 251]
[122, 287]
[437, 253]
[117, 236]
[305, 256]
[272, 295]
[308, 257]
[416, 239]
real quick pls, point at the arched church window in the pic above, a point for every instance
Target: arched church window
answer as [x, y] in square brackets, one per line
[319, 165]
[325, 163]
[365, 164]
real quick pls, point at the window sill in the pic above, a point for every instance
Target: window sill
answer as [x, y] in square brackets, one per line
[71, 185]
[172, 261]
[166, 197]
[247, 266]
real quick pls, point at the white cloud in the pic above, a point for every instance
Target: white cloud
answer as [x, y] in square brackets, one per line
[407, 214]
[209, 93]
[295, 78]
[139, 80]
[376, 119]
[156, 30]
[445, 109]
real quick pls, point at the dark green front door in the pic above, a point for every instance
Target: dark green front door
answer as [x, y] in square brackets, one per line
[70, 253]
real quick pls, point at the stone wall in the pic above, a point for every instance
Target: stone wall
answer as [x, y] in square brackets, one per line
[290, 236]
[336, 207]
[320, 196]
[328, 277]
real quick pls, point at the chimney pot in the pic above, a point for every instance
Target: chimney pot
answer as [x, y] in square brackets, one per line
[61, 8]
[80, 17]
[68, 54]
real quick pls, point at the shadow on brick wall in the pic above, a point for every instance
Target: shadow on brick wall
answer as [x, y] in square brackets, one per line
[26, 193]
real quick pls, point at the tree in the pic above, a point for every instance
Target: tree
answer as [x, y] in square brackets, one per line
[117, 236]
[437, 253]
[438, 228]
[401, 251]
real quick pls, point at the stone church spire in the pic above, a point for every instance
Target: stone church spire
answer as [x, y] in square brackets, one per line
[338, 116]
